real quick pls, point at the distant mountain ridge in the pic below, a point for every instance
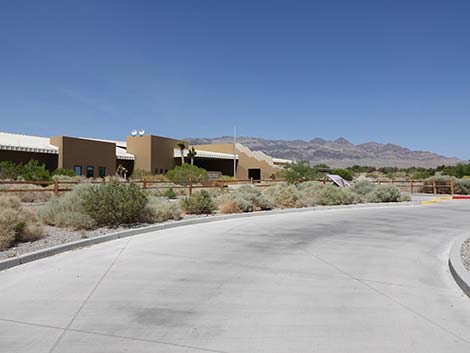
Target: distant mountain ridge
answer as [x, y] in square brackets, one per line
[339, 152]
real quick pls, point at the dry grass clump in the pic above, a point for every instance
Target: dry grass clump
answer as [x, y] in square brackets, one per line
[17, 224]
[30, 196]
[161, 210]
[246, 198]
[228, 206]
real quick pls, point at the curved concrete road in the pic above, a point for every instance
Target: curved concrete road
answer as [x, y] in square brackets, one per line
[360, 280]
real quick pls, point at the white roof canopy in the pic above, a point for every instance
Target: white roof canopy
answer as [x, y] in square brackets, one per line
[26, 143]
[204, 154]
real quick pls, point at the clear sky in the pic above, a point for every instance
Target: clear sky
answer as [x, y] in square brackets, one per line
[387, 71]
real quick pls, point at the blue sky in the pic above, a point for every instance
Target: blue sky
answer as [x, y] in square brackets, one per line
[387, 71]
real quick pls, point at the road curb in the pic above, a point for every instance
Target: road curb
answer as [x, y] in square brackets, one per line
[457, 268]
[19, 260]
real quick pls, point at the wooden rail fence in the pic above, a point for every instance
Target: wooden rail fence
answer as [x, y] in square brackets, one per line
[58, 186]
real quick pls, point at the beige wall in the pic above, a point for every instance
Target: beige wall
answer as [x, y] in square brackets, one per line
[246, 160]
[76, 151]
[152, 153]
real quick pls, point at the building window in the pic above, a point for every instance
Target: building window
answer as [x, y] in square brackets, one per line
[77, 169]
[102, 172]
[161, 171]
[90, 171]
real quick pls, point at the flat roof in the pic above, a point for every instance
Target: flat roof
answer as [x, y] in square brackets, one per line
[39, 144]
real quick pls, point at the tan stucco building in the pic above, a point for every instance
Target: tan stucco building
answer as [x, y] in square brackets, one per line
[156, 154]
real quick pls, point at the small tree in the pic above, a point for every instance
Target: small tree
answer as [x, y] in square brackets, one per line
[191, 154]
[182, 146]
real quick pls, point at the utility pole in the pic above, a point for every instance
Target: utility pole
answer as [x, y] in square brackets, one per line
[234, 152]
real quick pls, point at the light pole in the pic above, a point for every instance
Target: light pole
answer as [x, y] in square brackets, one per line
[234, 152]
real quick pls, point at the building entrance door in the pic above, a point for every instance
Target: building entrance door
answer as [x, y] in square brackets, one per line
[254, 174]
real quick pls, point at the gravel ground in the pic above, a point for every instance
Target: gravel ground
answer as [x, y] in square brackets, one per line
[466, 254]
[55, 236]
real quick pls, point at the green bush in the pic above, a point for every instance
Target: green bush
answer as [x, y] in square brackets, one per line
[186, 171]
[31, 171]
[170, 193]
[385, 193]
[64, 172]
[9, 170]
[161, 210]
[115, 203]
[343, 173]
[199, 203]
[299, 172]
[17, 224]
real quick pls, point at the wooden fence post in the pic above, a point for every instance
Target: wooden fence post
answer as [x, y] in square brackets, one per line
[452, 186]
[411, 186]
[190, 186]
[251, 180]
[145, 183]
[56, 186]
[434, 188]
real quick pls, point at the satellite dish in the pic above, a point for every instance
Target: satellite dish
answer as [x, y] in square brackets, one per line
[134, 132]
[141, 132]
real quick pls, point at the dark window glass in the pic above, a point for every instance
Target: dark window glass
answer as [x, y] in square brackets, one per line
[102, 172]
[77, 169]
[90, 171]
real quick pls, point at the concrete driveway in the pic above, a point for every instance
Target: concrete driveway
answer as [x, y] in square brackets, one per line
[360, 280]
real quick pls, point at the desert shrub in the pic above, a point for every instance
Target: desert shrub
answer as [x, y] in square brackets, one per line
[332, 195]
[115, 203]
[363, 187]
[384, 193]
[186, 171]
[17, 224]
[161, 210]
[309, 191]
[64, 172]
[67, 211]
[284, 196]
[139, 174]
[442, 184]
[462, 186]
[343, 173]
[247, 199]
[199, 203]
[170, 193]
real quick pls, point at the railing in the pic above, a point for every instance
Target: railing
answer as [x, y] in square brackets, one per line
[59, 186]
[146, 184]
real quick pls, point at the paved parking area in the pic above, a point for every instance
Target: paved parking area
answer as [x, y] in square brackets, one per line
[358, 280]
